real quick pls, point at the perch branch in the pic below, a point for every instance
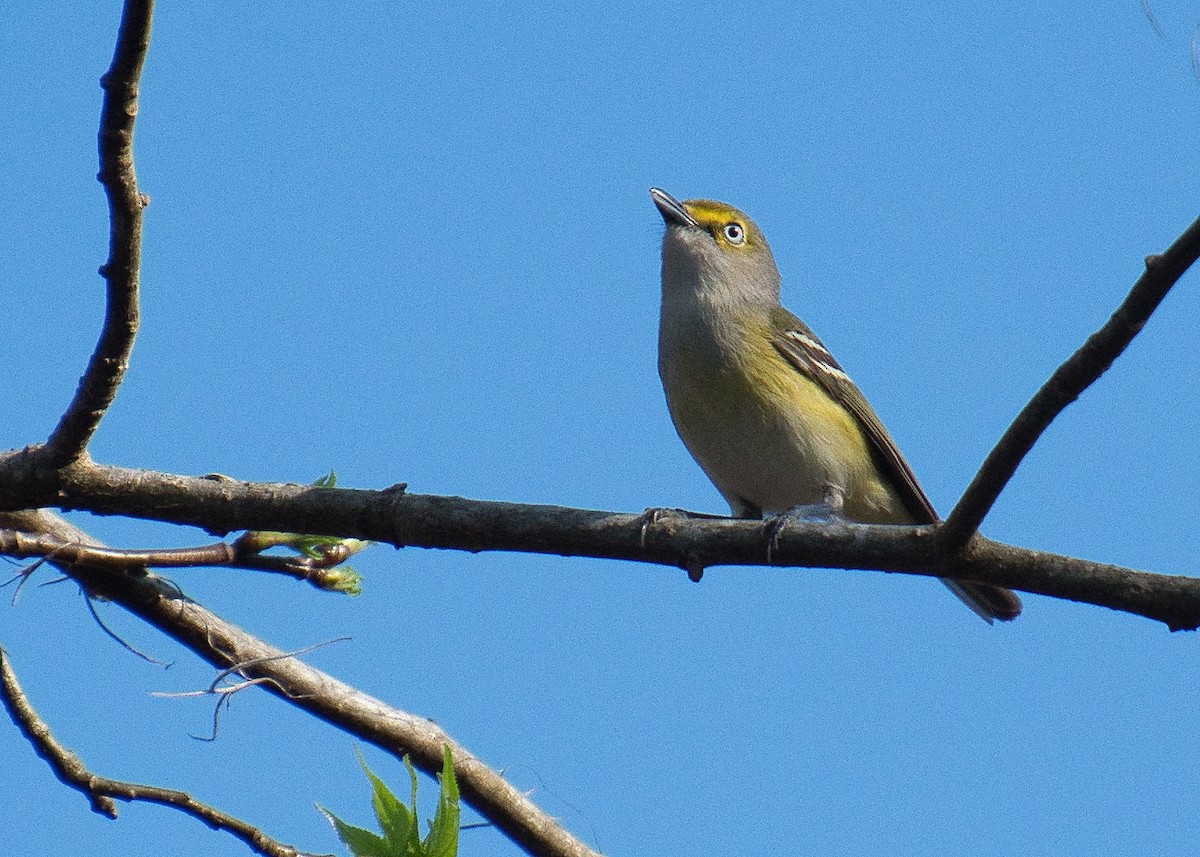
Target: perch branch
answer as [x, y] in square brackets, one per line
[403, 519]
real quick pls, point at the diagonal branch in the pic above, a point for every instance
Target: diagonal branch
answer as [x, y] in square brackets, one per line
[71, 771]
[1066, 384]
[223, 644]
[98, 386]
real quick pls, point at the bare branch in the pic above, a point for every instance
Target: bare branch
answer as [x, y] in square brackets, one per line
[402, 519]
[224, 645]
[98, 386]
[100, 791]
[1067, 383]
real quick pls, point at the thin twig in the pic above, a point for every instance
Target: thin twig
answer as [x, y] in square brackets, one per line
[1066, 384]
[26, 545]
[315, 570]
[113, 635]
[22, 577]
[1149, 13]
[98, 386]
[240, 668]
[225, 700]
[1194, 51]
[225, 693]
[100, 791]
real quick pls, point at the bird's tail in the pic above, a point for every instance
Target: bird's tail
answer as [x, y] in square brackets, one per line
[988, 602]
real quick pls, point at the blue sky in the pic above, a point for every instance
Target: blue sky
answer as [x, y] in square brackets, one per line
[415, 244]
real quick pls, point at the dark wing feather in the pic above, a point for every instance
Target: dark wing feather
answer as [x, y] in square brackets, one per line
[801, 347]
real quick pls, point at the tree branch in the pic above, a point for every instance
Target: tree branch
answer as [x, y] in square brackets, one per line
[100, 791]
[320, 571]
[1067, 383]
[161, 604]
[98, 386]
[61, 475]
[402, 519]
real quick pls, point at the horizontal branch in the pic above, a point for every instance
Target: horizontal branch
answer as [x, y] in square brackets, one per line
[321, 571]
[394, 516]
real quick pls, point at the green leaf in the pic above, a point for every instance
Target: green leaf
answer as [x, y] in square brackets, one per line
[442, 840]
[342, 579]
[414, 840]
[397, 823]
[362, 843]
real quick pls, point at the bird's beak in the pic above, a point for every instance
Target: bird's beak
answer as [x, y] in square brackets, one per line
[671, 209]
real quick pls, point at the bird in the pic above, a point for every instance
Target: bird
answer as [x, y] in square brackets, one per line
[761, 404]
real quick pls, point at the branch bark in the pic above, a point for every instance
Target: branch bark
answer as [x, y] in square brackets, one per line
[403, 519]
[98, 386]
[321, 572]
[1074, 376]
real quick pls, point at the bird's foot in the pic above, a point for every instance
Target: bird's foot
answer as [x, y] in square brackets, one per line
[805, 513]
[656, 516]
[660, 515]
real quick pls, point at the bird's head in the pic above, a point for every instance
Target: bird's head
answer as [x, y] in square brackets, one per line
[713, 250]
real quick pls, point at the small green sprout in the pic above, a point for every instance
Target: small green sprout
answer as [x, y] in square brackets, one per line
[400, 834]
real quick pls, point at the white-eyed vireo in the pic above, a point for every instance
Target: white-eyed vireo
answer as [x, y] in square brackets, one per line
[760, 402]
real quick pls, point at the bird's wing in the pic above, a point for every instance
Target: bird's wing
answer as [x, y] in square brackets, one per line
[801, 347]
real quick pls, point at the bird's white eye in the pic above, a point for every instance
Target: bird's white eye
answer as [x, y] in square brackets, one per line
[734, 233]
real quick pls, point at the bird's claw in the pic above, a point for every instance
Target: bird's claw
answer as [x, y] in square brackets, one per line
[692, 565]
[805, 513]
[652, 516]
